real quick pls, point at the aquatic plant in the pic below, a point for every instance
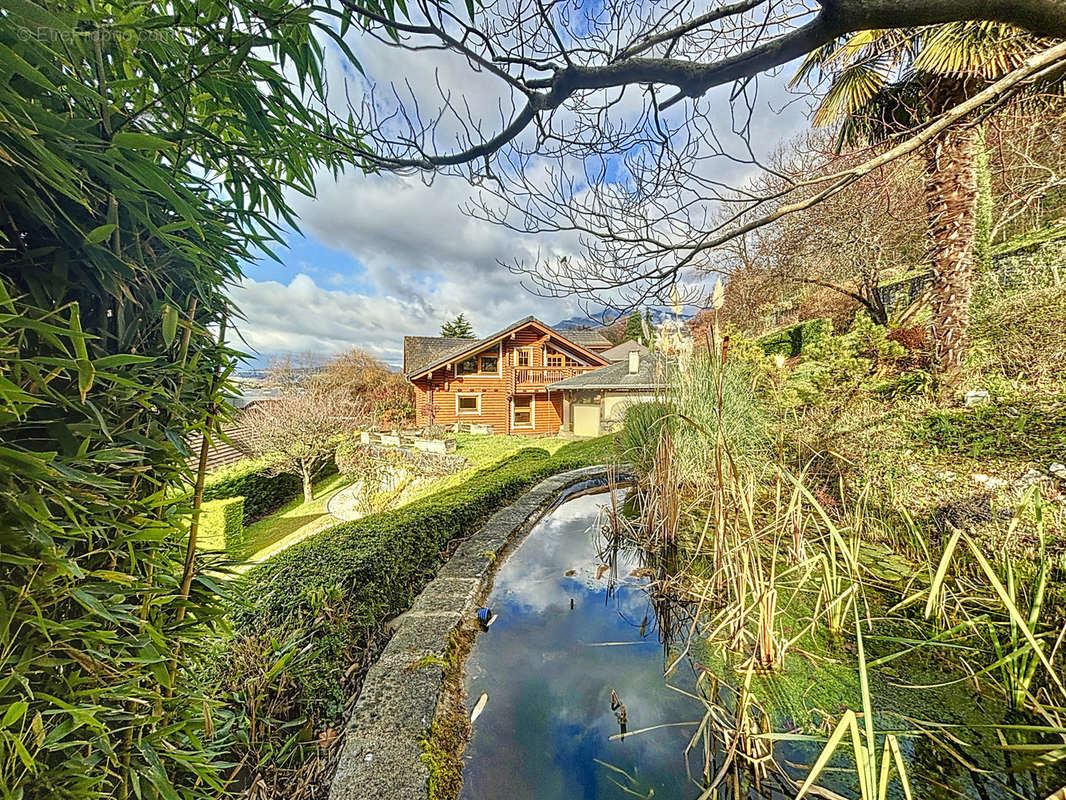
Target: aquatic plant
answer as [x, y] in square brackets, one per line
[874, 772]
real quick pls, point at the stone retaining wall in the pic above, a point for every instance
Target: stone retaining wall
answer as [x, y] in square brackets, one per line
[381, 756]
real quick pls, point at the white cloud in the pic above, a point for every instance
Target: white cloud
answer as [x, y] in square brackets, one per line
[303, 316]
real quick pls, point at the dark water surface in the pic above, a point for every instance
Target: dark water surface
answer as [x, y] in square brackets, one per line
[549, 670]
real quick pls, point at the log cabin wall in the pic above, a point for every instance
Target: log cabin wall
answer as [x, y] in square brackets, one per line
[494, 392]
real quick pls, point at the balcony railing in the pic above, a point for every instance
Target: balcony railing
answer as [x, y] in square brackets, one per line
[543, 376]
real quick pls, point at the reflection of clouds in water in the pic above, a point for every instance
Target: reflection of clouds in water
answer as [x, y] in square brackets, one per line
[533, 577]
[549, 714]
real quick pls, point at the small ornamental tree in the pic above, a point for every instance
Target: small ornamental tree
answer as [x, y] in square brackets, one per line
[298, 431]
[458, 328]
[379, 397]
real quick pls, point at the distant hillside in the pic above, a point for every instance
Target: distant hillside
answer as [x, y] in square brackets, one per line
[608, 317]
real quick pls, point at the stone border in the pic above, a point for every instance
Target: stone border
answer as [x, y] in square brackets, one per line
[402, 694]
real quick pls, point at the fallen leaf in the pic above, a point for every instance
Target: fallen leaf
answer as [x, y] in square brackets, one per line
[479, 707]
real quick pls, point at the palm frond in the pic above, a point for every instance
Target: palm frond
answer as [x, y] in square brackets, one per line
[851, 91]
[882, 81]
[895, 108]
[815, 60]
[985, 50]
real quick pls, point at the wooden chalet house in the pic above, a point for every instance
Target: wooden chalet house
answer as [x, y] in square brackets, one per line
[501, 380]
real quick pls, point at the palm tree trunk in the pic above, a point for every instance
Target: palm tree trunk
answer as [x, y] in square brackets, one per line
[951, 198]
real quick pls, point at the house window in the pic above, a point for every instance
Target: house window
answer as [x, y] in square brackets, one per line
[554, 359]
[523, 356]
[523, 411]
[487, 363]
[468, 404]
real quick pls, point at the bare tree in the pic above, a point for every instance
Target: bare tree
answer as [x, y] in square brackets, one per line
[604, 127]
[550, 55]
[1027, 155]
[850, 242]
[298, 431]
[292, 369]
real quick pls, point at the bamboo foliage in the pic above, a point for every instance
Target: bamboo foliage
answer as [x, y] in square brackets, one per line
[144, 155]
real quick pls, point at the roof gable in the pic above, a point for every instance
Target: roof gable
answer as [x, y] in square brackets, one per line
[620, 352]
[422, 354]
[589, 339]
[419, 351]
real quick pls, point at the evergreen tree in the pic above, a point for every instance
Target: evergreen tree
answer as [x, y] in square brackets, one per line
[458, 328]
[634, 328]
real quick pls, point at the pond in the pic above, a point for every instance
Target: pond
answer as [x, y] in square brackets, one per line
[577, 634]
[567, 633]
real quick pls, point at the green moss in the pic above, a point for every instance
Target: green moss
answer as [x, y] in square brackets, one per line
[1052, 232]
[427, 661]
[442, 746]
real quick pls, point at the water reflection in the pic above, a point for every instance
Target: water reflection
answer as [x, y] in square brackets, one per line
[568, 633]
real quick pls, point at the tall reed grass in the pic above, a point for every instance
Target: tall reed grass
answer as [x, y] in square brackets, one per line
[767, 564]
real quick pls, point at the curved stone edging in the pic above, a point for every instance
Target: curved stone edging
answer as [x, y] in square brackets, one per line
[381, 755]
[329, 503]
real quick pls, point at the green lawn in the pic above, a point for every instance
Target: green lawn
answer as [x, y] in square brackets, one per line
[292, 521]
[298, 520]
[483, 451]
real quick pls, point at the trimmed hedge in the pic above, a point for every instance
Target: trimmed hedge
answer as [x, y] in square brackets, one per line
[221, 524]
[336, 588]
[263, 490]
[797, 339]
[380, 561]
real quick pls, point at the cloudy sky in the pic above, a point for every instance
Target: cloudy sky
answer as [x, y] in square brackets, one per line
[381, 256]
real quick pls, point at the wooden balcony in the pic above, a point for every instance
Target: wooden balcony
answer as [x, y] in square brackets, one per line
[539, 377]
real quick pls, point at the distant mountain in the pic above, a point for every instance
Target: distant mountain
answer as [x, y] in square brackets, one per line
[576, 323]
[608, 317]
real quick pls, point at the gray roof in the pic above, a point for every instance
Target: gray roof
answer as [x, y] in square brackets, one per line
[649, 375]
[620, 352]
[588, 339]
[424, 352]
[421, 351]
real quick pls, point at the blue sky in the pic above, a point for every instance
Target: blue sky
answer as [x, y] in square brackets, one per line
[380, 256]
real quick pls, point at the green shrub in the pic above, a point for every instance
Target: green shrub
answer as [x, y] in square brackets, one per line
[842, 364]
[906, 384]
[796, 339]
[222, 524]
[263, 489]
[1022, 334]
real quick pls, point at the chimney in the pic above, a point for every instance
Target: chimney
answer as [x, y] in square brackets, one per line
[634, 362]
